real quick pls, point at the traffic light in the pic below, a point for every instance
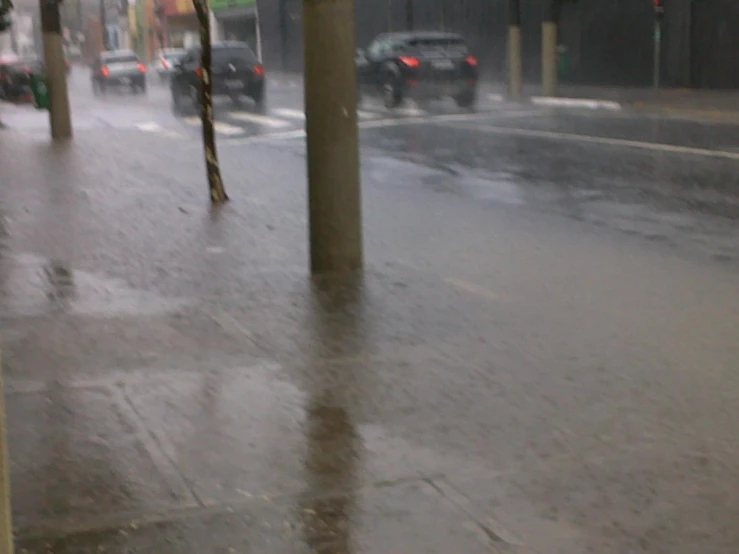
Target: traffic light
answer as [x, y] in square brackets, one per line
[5, 20]
[659, 8]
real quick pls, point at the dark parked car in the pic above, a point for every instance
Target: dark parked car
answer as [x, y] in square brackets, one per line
[236, 72]
[418, 64]
[118, 68]
[15, 78]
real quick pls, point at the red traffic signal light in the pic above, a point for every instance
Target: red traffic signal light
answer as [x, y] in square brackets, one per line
[659, 8]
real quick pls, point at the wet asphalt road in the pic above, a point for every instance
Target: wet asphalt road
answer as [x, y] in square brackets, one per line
[541, 356]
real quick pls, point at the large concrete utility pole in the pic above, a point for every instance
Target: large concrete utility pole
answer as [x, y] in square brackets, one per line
[334, 193]
[515, 65]
[56, 70]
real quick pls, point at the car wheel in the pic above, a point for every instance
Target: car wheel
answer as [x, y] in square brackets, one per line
[467, 99]
[195, 99]
[181, 103]
[177, 102]
[258, 98]
[391, 94]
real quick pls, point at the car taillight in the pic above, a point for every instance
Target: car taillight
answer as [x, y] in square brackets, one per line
[410, 61]
[142, 68]
[472, 60]
[259, 70]
[105, 71]
[199, 72]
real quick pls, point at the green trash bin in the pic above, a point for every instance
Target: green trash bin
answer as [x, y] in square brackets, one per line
[563, 61]
[40, 91]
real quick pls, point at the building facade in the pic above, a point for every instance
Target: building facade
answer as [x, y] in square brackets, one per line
[605, 42]
[237, 20]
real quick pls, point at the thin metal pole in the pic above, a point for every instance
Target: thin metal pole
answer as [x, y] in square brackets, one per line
[657, 51]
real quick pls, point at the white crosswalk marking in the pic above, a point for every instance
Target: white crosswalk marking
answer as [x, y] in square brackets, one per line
[149, 127]
[411, 111]
[260, 119]
[291, 113]
[367, 115]
[225, 129]
[220, 127]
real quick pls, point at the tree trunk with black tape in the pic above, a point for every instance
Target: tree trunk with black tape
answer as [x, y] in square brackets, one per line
[215, 183]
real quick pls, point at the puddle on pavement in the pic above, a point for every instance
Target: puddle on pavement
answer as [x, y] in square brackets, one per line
[31, 285]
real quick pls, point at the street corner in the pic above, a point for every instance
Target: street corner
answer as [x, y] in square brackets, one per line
[406, 517]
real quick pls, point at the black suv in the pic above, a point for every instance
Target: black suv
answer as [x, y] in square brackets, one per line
[235, 69]
[418, 64]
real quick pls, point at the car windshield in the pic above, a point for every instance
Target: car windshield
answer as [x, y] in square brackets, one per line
[227, 54]
[446, 43]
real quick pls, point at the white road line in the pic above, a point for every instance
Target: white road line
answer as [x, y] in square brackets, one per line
[575, 103]
[260, 119]
[149, 127]
[225, 129]
[653, 146]
[300, 115]
[153, 127]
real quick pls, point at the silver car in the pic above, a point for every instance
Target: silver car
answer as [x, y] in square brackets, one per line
[118, 68]
[165, 61]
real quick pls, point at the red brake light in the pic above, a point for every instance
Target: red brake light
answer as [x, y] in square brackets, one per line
[142, 68]
[259, 69]
[104, 70]
[199, 72]
[410, 61]
[472, 60]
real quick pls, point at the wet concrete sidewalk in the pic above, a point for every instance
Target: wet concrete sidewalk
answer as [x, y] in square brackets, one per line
[176, 383]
